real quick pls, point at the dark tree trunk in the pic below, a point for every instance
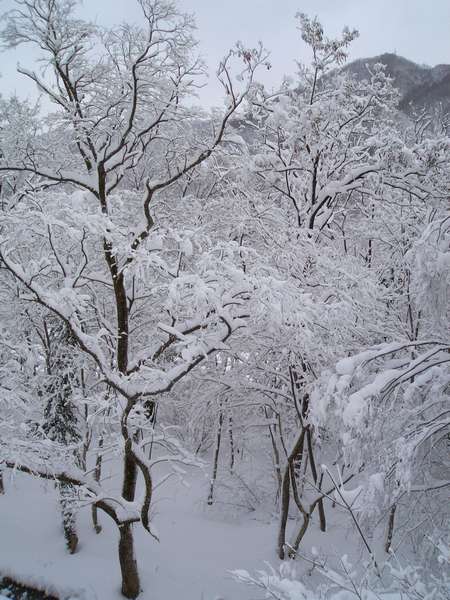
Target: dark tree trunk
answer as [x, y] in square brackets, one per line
[97, 475]
[320, 506]
[68, 517]
[129, 476]
[296, 454]
[301, 533]
[230, 433]
[216, 457]
[390, 532]
[128, 566]
[284, 511]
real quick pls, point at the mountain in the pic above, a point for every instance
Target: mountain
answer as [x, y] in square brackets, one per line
[420, 86]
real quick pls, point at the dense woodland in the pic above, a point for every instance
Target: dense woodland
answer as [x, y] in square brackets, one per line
[260, 292]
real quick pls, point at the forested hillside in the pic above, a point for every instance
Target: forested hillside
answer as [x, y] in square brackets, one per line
[421, 87]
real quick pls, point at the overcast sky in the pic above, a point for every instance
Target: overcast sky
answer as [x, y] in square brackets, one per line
[416, 29]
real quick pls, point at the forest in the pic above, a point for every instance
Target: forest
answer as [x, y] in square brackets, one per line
[224, 334]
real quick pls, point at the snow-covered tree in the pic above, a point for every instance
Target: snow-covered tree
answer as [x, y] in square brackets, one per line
[94, 255]
[264, 287]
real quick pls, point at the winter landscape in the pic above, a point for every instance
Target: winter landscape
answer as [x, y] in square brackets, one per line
[224, 330]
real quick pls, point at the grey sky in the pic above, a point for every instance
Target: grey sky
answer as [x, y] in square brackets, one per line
[416, 29]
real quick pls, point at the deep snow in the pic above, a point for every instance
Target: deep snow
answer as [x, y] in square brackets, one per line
[198, 547]
[192, 561]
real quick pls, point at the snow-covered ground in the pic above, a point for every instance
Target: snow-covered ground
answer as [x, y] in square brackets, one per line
[198, 548]
[192, 561]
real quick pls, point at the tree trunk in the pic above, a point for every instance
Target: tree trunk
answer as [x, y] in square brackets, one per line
[284, 511]
[322, 520]
[128, 566]
[68, 517]
[216, 457]
[97, 475]
[276, 460]
[2, 487]
[300, 535]
[296, 454]
[230, 433]
[390, 532]
[320, 507]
